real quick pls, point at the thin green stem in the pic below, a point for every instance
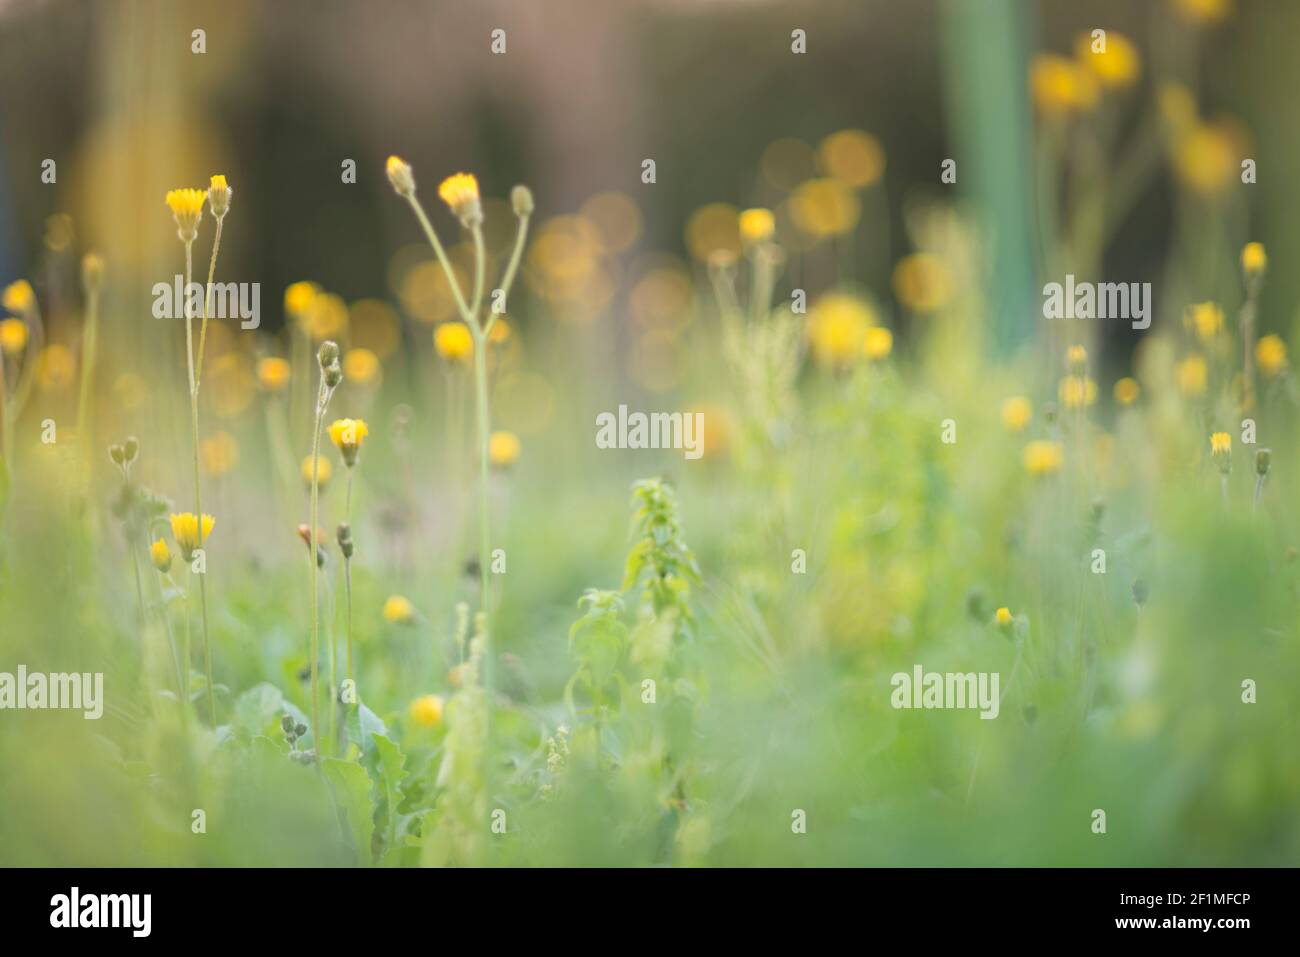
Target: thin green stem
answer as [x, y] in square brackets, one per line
[198, 497]
[333, 685]
[347, 577]
[441, 254]
[1247, 323]
[347, 590]
[171, 639]
[512, 268]
[480, 268]
[89, 355]
[322, 399]
[139, 587]
[485, 539]
[207, 302]
[185, 650]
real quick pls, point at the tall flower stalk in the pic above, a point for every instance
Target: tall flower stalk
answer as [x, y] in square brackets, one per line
[347, 436]
[92, 276]
[187, 209]
[24, 338]
[331, 374]
[460, 192]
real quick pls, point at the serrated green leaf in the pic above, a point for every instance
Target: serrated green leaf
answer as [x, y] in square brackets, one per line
[350, 786]
[362, 725]
[388, 771]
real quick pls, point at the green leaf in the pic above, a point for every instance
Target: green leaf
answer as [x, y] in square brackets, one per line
[599, 642]
[362, 725]
[388, 771]
[258, 707]
[636, 559]
[350, 786]
[258, 711]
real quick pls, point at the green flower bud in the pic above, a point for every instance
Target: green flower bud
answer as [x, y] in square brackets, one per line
[521, 198]
[329, 353]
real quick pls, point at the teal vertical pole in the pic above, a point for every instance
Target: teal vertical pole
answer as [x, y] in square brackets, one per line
[986, 63]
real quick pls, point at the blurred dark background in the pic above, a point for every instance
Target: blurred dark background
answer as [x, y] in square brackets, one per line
[287, 91]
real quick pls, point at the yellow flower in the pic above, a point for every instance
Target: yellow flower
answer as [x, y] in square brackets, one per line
[712, 234]
[1270, 353]
[878, 344]
[92, 271]
[187, 209]
[460, 192]
[1076, 391]
[298, 298]
[326, 317]
[837, 328]
[361, 366]
[756, 226]
[55, 368]
[1206, 320]
[503, 449]
[1253, 260]
[400, 175]
[220, 453]
[853, 157]
[1205, 158]
[398, 610]
[825, 207]
[185, 529]
[219, 194]
[1221, 451]
[1204, 11]
[1003, 617]
[922, 283]
[1060, 86]
[500, 331]
[13, 336]
[1076, 358]
[1127, 391]
[1118, 66]
[452, 341]
[273, 373]
[160, 555]
[1016, 413]
[718, 429]
[426, 711]
[1192, 374]
[18, 296]
[323, 471]
[1042, 457]
[347, 435]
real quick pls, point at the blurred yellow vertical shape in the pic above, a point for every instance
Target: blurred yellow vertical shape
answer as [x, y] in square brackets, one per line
[149, 130]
